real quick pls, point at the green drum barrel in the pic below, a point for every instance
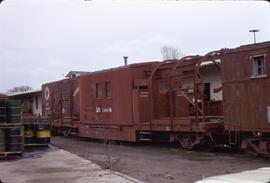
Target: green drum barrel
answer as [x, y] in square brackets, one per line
[3, 111]
[29, 133]
[13, 111]
[43, 134]
[2, 140]
[14, 139]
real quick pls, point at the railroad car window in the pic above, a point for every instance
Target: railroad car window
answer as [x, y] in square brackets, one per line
[108, 89]
[162, 86]
[258, 64]
[98, 90]
[143, 87]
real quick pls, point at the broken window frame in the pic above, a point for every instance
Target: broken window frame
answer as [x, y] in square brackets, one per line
[258, 70]
[162, 86]
[108, 89]
[98, 90]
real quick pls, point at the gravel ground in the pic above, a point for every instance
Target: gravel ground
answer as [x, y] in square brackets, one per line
[159, 163]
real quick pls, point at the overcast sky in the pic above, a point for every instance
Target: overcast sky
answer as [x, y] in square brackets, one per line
[40, 41]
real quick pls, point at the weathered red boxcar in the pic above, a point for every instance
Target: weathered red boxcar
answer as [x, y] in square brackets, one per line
[60, 103]
[246, 93]
[108, 102]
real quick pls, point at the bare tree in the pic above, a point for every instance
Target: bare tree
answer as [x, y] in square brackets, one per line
[106, 139]
[170, 53]
[17, 89]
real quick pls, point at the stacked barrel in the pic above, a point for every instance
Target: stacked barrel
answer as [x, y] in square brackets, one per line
[36, 134]
[3, 120]
[11, 128]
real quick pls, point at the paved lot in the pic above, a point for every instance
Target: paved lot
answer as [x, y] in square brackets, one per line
[56, 166]
[161, 163]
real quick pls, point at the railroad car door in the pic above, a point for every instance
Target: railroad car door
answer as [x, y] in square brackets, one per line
[56, 104]
[163, 98]
[141, 101]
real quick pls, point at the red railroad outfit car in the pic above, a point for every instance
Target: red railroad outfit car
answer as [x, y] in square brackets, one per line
[60, 104]
[108, 102]
[246, 92]
[183, 100]
[151, 101]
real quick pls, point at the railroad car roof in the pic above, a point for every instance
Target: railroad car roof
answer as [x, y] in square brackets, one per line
[58, 81]
[246, 47]
[103, 71]
[76, 73]
[123, 67]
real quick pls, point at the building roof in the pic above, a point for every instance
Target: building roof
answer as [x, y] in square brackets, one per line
[25, 93]
[247, 47]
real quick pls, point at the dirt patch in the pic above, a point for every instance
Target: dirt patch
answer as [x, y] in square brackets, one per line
[160, 163]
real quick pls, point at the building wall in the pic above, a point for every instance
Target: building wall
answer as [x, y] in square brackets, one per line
[31, 102]
[37, 106]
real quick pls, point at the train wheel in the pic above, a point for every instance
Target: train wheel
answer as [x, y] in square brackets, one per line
[58, 131]
[194, 141]
[250, 147]
[65, 132]
[187, 142]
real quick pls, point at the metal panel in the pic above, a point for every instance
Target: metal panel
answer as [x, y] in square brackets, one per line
[60, 102]
[127, 105]
[113, 110]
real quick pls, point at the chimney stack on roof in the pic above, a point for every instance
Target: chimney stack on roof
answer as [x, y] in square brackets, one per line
[125, 60]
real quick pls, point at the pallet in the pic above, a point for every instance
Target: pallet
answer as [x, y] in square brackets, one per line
[10, 125]
[35, 123]
[10, 154]
[31, 145]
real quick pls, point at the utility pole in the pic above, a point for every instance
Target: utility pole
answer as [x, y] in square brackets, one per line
[254, 34]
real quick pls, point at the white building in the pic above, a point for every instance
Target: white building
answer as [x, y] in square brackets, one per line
[31, 101]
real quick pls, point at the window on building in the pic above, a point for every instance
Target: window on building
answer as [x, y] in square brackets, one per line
[259, 66]
[98, 90]
[36, 102]
[108, 89]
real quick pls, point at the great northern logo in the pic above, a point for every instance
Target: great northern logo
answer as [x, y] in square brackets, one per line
[47, 93]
